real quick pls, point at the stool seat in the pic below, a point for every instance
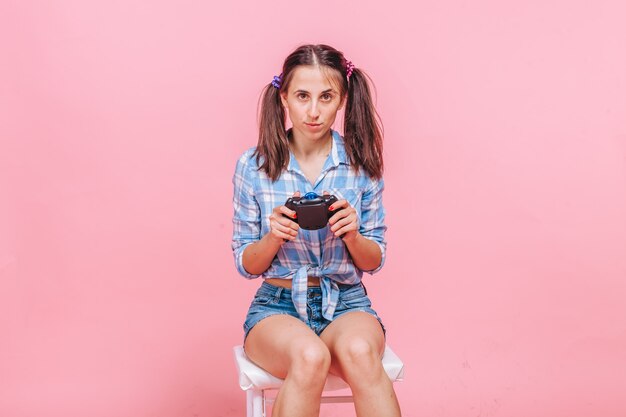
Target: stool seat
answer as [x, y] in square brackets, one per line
[258, 382]
[252, 376]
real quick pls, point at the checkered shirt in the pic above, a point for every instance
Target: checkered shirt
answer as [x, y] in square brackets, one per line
[316, 253]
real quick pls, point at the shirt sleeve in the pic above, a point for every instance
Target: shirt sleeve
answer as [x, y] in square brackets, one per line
[373, 219]
[247, 214]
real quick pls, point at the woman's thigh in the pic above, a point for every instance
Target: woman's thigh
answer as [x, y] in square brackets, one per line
[274, 342]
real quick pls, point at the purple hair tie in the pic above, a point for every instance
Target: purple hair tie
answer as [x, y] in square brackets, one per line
[277, 81]
[349, 68]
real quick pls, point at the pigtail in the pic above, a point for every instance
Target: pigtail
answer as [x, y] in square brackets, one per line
[272, 151]
[363, 131]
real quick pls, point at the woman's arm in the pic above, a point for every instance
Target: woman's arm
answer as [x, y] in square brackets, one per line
[365, 253]
[366, 241]
[258, 256]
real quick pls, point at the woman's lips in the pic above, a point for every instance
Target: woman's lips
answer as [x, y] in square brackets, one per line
[313, 126]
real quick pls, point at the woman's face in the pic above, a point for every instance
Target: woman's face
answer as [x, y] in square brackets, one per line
[312, 100]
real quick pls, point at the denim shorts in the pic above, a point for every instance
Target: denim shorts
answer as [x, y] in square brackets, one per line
[270, 300]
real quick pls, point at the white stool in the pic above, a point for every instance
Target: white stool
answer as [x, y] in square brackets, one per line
[255, 381]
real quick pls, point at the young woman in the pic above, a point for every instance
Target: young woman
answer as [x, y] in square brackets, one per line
[311, 315]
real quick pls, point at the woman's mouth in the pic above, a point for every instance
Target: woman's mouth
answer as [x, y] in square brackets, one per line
[313, 126]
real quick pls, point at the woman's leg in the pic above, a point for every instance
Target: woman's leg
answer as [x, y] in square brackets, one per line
[356, 343]
[287, 348]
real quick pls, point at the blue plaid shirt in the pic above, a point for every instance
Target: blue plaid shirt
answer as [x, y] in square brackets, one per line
[316, 253]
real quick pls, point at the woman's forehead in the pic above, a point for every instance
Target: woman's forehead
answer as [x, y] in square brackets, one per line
[313, 78]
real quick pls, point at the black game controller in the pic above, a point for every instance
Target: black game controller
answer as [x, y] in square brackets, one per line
[311, 210]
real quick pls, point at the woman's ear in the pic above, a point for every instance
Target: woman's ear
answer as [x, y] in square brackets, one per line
[283, 99]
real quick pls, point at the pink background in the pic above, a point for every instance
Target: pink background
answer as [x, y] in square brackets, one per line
[504, 290]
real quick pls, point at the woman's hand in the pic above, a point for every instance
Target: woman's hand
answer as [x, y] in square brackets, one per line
[365, 253]
[258, 256]
[283, 229]
[345, 222]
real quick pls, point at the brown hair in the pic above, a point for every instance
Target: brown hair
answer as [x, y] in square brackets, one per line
[363, 132]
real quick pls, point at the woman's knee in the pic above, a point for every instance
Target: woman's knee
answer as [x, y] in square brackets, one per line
[310, 362]
[358, 357]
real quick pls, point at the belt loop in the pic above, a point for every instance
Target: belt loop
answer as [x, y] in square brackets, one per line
[279, 291]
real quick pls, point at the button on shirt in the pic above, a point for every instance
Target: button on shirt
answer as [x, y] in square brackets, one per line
[316, 253]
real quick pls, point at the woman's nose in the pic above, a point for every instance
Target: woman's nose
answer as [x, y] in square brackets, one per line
[314, 110]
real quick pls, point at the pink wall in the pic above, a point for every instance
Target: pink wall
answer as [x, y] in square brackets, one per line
[506, 152]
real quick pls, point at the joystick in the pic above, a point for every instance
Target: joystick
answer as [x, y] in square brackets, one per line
[311, 210]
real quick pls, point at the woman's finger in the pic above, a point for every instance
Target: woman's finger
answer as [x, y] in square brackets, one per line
[350, 227]
[343, 222]
[339, 204]
[280, 210]
[283, 236]
[283, 232]
[341, 213]
[284, 222]
[344, 217]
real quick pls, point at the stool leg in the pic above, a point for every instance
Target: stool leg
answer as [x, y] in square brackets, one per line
[255, 403]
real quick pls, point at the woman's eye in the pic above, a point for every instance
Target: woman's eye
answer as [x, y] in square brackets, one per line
[327, 97]
[302, 96]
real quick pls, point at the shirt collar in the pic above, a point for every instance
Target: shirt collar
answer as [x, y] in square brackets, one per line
[338, 152]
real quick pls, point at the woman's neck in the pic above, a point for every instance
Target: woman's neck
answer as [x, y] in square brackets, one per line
[307, 149]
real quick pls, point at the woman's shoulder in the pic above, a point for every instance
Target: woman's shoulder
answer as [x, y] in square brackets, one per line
[248, 166]
[248, 154]
[248, 159]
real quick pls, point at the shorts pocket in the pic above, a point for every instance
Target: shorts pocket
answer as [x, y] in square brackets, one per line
[355, 298]
[262, 300]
